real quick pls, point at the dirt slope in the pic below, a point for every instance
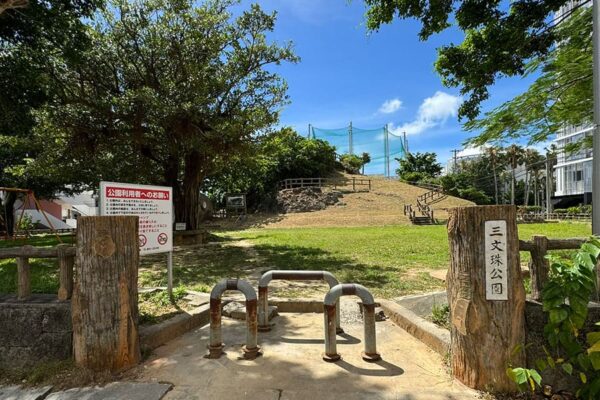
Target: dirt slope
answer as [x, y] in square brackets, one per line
[383, 205]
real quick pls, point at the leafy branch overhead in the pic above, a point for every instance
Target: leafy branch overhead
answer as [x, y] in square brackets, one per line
[500, 39]
[562, 94]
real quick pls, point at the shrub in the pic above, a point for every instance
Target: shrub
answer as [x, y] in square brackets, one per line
[351, 163]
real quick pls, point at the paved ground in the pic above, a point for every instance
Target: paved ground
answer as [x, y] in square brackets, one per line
[112, 391]
[292, 368]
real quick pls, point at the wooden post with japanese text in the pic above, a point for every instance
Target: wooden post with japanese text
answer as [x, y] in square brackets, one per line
[486, 296]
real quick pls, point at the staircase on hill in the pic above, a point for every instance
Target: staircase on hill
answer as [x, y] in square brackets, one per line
[433, 195]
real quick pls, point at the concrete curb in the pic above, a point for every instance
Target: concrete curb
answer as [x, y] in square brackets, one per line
[154, 336]
[436, 338]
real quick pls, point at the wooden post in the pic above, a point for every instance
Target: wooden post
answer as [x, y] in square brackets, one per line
[485, 332]
[354, 184]
[538, 266]
[105, 296]
[23, 276]
[65, 264]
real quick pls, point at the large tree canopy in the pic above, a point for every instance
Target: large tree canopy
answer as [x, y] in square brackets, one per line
[562, 94]
[500, 38]
[29, 31]
[167, 92]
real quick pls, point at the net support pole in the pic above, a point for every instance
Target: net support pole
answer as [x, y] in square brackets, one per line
[350, 149]
[387, 150]
[309, 131]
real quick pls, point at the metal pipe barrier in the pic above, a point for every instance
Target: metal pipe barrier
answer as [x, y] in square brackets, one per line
[263, 292]
[330, 303]
[215, 347]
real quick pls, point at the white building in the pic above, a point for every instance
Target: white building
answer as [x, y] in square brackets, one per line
[573, 171]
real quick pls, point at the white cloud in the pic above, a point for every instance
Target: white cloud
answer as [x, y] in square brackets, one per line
[434, 111]
[390, 106]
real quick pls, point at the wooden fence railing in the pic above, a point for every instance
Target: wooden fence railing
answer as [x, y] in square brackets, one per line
[356, 183]
[559, 216]
[538, 264]
[66, 260]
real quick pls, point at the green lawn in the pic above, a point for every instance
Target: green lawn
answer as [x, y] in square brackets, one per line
[391, 261]
[44, 271]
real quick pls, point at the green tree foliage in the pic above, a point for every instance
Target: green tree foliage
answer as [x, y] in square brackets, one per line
[366, 158]
[28, 34]
[270, 159]
[351, 163]
[169, 92]
[562, 94]
[415, 167]
[499, 38]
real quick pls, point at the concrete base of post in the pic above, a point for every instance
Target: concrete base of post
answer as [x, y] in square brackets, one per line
[264, 328]
[331, 357]
[215, 352]
[370, 357]
[251, 354]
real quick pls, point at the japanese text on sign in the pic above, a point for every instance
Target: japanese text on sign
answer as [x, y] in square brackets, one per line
[496, 269]
[152, 204]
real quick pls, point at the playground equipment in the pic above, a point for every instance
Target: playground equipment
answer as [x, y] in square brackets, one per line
[330, 306]
[29, 198]
[215, 347]
[263, 292]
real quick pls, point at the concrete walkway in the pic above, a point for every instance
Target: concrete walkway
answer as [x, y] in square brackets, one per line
[291, 367]
[112, 391]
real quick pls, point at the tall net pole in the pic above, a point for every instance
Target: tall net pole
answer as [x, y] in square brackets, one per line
[387, 151]
[350, 150]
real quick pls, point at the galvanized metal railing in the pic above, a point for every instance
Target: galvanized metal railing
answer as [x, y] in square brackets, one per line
[263, 291]
[330, 306]
[215, 347]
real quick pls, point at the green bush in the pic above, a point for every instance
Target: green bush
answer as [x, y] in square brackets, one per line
[475, 195]
[414, 177]
[560, 211]
[351, 163]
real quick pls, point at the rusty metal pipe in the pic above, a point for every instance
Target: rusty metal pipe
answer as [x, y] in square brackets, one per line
[292, 275]
[330, 304]
[215, 347]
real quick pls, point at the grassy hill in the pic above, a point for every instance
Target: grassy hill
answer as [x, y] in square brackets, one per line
[382, 206]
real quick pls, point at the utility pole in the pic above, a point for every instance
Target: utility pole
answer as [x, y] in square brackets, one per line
[596, 133]
[455, 167]
[350, 139]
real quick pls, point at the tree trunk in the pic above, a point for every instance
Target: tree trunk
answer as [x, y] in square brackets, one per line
[495, 185]
[9, 213]
[526, 188]
[512, 187]
[484, 333]
[105, 296]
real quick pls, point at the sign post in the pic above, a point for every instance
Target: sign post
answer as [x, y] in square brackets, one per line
[154, 207]
[486, 296]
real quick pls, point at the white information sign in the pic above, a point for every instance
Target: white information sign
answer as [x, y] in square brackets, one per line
[496, 268]
[154, 206]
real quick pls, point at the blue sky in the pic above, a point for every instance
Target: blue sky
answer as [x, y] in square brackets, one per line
[372, 79]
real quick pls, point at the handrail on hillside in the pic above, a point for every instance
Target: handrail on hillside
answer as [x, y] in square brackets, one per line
[66, 261]
[292, 183]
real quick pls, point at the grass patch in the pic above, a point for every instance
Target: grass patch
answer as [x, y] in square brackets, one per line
[440, 315]
[44, 271]
[156, 307]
